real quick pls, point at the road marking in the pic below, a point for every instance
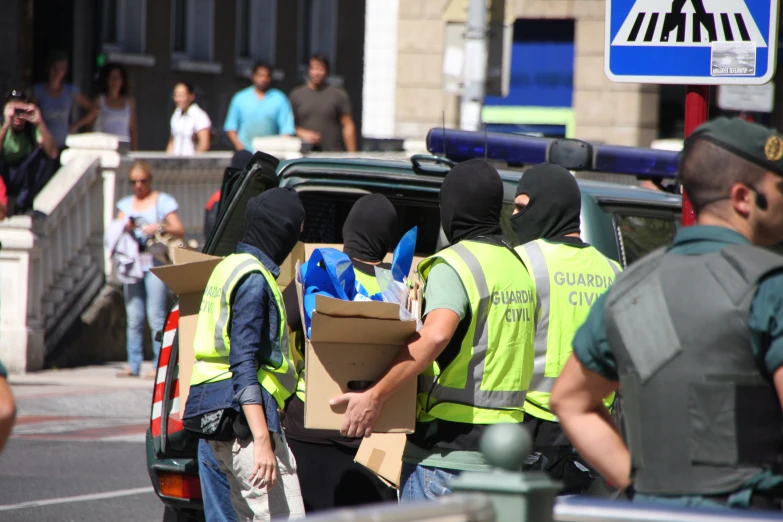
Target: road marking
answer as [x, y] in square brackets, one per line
[78, 498]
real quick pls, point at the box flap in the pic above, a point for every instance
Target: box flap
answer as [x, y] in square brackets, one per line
[353, 330]
[381, 453]
[180, 256]
[189, 277]
[334, 307]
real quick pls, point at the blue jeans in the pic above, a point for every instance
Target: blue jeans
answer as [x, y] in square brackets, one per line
[145, 299]
[215, 488]
[424, 482]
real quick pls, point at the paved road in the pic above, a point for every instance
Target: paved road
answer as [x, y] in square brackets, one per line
[77, 451]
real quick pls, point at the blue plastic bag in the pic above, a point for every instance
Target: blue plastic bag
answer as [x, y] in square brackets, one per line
[403, 255]
[328, 272]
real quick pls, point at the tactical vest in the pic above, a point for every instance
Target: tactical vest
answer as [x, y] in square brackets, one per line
[486, 382]
[701, 417]
[212, 342]
[568, 280]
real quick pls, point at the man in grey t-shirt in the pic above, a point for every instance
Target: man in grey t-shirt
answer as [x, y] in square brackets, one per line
[323, 112]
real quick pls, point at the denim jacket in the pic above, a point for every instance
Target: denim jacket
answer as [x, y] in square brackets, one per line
[254, 341]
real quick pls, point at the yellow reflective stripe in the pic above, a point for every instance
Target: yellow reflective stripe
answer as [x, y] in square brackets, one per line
[541, 275]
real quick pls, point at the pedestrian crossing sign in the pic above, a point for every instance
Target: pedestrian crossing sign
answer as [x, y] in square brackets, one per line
[707, 42]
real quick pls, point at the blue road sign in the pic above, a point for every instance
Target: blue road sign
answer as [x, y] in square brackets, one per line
[693, 42]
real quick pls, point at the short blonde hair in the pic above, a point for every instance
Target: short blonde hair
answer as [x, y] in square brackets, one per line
[142, 166]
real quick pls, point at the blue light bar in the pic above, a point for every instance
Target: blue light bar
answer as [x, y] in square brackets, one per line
[635, 160]
[461, 145]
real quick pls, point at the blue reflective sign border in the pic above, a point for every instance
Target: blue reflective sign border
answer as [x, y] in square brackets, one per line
[684, 65]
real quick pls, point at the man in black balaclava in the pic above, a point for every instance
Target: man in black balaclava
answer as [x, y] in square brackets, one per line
[245, 370]
[478, 325]
[546, 222]
[328, 475]
[547, 204]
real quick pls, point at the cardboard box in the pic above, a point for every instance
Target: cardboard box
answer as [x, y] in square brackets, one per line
[381, 453]
[187, 277]
[351, 346]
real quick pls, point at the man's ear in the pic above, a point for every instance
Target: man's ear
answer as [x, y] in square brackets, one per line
[741, 197]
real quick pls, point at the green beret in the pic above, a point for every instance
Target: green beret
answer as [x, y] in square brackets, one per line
[751, 141]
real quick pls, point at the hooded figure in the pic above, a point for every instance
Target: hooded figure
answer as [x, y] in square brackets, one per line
[554, 204]
[471, 200]
[370, 229]
[273, 222]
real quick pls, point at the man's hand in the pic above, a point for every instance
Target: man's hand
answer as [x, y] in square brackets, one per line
[33, 115]
[9, 111]
[360, 414]
[309, 136]
[264, 463]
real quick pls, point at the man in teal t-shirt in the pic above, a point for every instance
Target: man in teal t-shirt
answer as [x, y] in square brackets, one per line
[258, 111]
[695, 335]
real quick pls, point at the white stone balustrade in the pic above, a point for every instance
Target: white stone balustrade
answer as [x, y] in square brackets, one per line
[50, 266]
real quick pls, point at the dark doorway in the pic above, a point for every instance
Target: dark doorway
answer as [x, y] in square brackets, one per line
[53, 31]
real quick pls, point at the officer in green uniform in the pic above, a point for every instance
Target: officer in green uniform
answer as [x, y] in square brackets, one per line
[569, 275]
[328, 475]
[693, 336]
[244, 369]
[474, 354]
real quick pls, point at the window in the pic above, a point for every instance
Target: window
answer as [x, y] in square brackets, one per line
[256, 30]
[193, 24]
[124, 26]
[318, 30]
[639, 235]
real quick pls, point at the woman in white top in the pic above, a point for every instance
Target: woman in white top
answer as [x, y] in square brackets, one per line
[116, 108]
[190, 125]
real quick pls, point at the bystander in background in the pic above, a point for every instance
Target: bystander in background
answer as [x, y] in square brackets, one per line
[7, 407]
[56, 100]
[258, 111]
[28, 151]
[146, 213]
[116, 112]
[322, 111]
[190, 125]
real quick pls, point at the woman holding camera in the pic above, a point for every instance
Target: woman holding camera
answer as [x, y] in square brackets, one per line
[146, 213]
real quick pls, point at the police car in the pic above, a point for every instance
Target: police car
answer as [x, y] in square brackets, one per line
[623, 222]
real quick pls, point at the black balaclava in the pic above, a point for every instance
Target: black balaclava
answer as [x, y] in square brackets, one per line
[554, 207]
[273, 222]
[471, 199]
[370, 228]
